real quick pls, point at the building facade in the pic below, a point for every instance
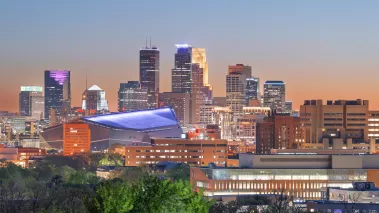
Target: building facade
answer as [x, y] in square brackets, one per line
[31, 102]
[132, 97]
[252, 90]
[94, 99]
[76, 138]
[337, 119]
[274, 95]
[236, 92]
[278, 132]
[300, 176]
[192, 152]
[57, 91]
[182, 72]
[149, 74]
[179, 102]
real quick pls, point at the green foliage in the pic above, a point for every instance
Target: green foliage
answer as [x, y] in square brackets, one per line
[112, 197]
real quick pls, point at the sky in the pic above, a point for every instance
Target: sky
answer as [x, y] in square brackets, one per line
[320, 49]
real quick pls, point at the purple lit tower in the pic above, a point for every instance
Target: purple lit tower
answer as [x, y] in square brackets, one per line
[57, 91]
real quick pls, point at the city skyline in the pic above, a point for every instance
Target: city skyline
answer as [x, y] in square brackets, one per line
[307, 45]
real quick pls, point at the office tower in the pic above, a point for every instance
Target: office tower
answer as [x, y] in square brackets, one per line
[274, 95]
[344, 119]
[246, 123]
[132, 97]
[252, 89]
[199, 57]
[31, 102]
[241, 69]
[223, 118]
[93, 99]
[278, 132]
[235, 92]
[182, 72]
[179, 102]
[206, 112]
[57, 91]
[288, 107]
[149, 74]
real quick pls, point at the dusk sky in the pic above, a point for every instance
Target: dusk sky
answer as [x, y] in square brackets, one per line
[320, 49]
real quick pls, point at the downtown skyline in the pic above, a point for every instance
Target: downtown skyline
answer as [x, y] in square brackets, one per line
[309, 47]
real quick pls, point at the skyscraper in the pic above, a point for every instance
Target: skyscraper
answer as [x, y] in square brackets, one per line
[94, 99]
[57, 91]
[274, 95]
[132, 97]
[190, 75]
[252, 89]
[179, 102]
[241, 69]
[236, 92]
[31, 101]
[149, 74]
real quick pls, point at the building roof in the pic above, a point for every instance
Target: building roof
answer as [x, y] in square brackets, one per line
[95, 87]
[143, 120]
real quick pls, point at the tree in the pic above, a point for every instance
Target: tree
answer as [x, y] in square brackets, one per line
[112, 197]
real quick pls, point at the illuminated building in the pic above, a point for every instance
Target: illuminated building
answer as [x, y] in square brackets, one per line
[182, 72]
[94, 99]
[21, 156]
[132, 97]
[361, 192]
[339, 119]
[76, 138]
[278, 132]
[57, 91]
[223, 117]
[274, 95]
[179, 102]
[31, 102]
[193, 152]
[238, 147]
[236, 92]
[206, 112]
[246, 123]
[149, 74]
[288, 107]
[18, 124]
[301, 176]
[124, 128]
[252, 89]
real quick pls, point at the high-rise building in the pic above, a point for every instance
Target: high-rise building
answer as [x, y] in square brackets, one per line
[274, 95]
[57, 91]
[132, 97]
[236, 92]
[206, 112]
[182, 72]
[288, 107]
[278, 132]
[241, 69]
[190, 75]
[219, 101]
[149, 74]
[342, 119]
[252, 89]
[93, 99]
[31, 102]
[223, 118]
[247, 122]
[179, 102]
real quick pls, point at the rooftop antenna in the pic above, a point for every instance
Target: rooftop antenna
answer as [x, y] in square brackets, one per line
[150, 42]
[146, 43]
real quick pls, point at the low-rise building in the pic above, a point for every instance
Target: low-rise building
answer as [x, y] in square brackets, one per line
[193, 152]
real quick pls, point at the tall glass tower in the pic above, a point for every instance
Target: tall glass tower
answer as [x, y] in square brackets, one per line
[275, 95]
[57, 91]
[149, 74]
[182, 73]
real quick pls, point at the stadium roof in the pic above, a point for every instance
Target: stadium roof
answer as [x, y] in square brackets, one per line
[143, 120]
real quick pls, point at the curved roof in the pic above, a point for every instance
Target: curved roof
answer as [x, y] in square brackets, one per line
[143, 120]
